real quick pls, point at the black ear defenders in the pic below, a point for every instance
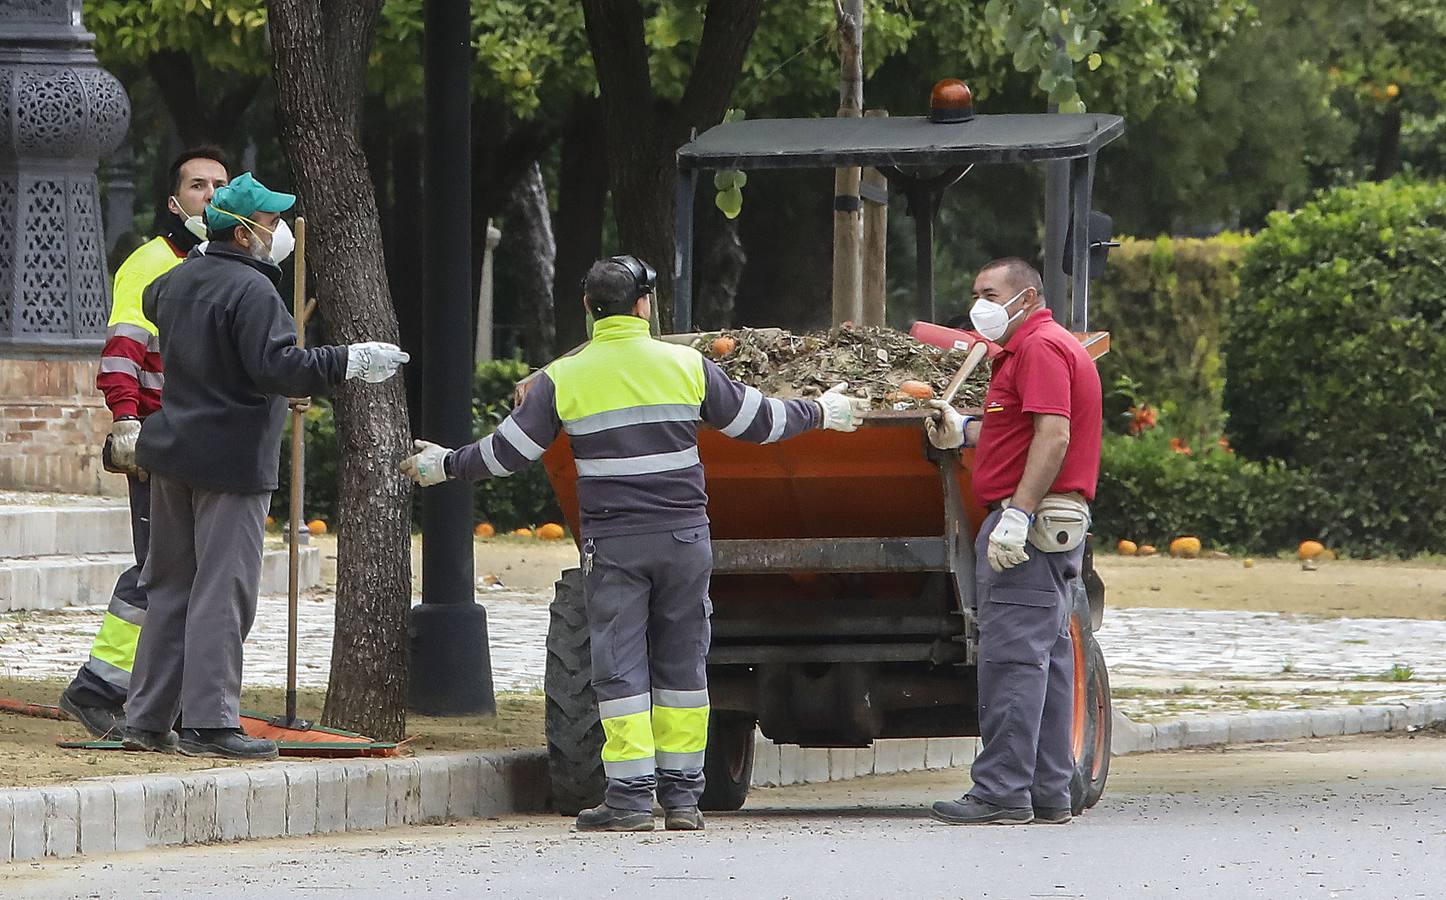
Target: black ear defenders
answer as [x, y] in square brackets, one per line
[645, 277]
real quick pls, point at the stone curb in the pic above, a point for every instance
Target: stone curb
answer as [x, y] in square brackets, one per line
[775, 765]
[282, 799]
[1271, 725]
[292, 799]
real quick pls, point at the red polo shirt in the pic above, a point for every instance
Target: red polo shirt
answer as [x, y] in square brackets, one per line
[1043, 369]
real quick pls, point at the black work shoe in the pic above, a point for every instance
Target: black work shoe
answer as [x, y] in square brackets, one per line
[103, 722]
[968, 810]
[683, 818]
[226, 743]
[604, 818]
[1052, 815]
[155, 741]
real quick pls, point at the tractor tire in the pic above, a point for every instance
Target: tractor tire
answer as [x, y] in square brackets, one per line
[574, 731]
[728, 765]
[1092, 735]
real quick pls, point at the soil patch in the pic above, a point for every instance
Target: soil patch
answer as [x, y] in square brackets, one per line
[1339, 588]
[519, 564]
[31, 758]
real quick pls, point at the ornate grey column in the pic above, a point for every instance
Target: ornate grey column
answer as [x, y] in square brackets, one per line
[59, 113]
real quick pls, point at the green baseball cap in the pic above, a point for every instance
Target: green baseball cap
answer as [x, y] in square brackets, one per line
[242, 199]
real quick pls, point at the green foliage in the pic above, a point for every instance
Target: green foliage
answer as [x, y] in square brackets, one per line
[322, 468]
[1150, 494]
[1131, 53]
[222, 36]
[1164, 303]
[531, 54]
[1387, 62]
[523, 499]
[1258, 133]
[1336, 357]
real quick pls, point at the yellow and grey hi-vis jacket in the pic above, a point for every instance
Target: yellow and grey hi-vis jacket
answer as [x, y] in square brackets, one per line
[631, 407]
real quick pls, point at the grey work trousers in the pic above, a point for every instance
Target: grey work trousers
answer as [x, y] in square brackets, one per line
[201, 579]
[648, 609]
[1026, 677]
[104, 681]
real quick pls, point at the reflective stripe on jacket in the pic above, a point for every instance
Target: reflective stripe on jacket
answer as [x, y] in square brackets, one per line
[631, 407]
[130, 362]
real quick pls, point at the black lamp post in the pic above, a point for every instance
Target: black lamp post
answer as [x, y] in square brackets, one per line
[451, 666]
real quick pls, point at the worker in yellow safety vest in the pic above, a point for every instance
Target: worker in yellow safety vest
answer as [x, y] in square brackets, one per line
[632, 407]
[131, 378]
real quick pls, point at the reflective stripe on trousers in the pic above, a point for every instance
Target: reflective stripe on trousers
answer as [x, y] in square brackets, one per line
[648, 608]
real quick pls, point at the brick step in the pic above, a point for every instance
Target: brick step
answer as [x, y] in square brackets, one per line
[64, 530]
[56, 581]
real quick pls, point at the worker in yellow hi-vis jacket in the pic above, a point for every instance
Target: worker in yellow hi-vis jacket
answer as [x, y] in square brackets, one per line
[131, 378]
[631, 407]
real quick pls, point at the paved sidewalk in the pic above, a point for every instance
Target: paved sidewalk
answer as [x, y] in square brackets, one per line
[1163, 649]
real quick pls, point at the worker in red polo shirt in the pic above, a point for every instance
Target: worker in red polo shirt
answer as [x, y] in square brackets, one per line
[1036, 461]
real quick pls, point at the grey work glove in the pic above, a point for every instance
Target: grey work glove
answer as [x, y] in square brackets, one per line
[374, 361]
[123, 436]
[428, 466]
[948, 429]
[841, 413]
[1007, 540]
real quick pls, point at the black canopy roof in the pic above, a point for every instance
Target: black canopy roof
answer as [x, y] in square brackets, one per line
[903, 141]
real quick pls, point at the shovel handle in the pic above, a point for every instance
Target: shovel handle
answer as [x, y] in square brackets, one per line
[971, 362]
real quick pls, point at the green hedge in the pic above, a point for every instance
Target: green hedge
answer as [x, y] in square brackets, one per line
[524, 499]
[1336, 358]
[1150, 494]
[1164, 303]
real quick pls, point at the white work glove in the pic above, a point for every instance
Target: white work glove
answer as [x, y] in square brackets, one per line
[123, 436]
[428, 465]
[1006, 541]
[841, 413]
[947, 430]
[374, 361]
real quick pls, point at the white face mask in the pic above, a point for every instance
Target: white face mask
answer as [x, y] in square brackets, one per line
[282, 241]
[194, 224]
[992, 319]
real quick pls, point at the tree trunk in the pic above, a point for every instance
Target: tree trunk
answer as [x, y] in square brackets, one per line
[321, 49]
[404, 259]
[643, 134]
[720, 269]
[1388, 149]
[528, 254]
[198, 119]
[582, 193]
[847, 222]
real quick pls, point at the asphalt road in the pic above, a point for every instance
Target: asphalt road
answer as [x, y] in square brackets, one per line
[1351, 818]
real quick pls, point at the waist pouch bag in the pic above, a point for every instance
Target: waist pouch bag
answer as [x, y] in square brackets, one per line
[1060, 523]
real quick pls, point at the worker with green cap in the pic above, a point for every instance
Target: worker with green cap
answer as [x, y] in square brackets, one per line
[229, 349]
